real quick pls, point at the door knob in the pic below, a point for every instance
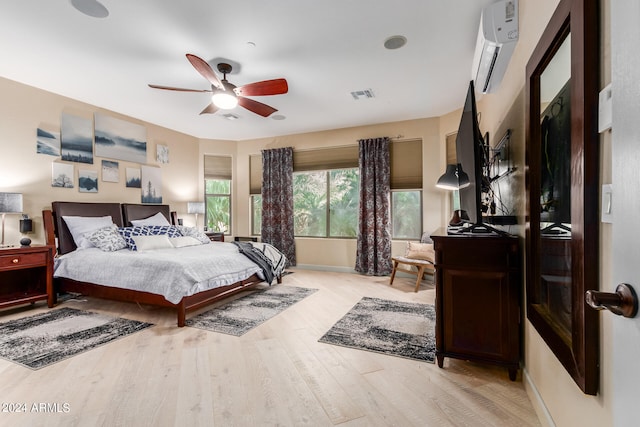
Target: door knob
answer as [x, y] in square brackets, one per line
[624, 302]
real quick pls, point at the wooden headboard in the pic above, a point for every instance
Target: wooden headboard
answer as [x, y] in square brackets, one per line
[132, 211]
[60, 209]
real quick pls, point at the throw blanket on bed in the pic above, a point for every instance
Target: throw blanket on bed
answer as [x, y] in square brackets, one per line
[268, 258]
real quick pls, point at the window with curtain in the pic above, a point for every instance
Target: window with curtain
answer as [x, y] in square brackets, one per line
[406, 189]
[217, 193]
[326, 191]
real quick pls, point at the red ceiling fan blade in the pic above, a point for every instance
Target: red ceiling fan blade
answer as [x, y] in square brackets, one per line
[209, 109]
[178, 88]
[205, 69]
[266, 87]
[256, 107]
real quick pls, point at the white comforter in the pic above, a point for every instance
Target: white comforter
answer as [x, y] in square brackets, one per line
[173, 273]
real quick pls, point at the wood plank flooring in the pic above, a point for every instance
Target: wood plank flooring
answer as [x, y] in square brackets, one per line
[275, 375]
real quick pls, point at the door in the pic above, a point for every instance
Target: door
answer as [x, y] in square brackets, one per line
[625, 77]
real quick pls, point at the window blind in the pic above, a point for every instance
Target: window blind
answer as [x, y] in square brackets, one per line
[406, 164]
[217, 167]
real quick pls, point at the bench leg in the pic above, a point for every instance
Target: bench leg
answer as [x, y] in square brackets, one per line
[393, 272]
[420, 276]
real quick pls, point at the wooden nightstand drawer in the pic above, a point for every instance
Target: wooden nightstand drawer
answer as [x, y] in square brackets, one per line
[23, 260]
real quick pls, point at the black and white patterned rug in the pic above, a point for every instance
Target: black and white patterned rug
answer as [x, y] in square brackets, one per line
[42, 339]
[391, 327]
[239, 316]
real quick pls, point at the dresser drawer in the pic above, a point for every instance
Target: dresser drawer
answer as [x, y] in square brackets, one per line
[23, 260]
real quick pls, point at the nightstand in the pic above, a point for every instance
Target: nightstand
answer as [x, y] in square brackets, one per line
[26, 275]
[215, 236]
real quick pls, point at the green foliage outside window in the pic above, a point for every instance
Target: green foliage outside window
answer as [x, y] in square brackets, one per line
[218, 205]
[406, 214]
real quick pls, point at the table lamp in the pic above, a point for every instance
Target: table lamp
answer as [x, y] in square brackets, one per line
[195, 208]
[10, 203]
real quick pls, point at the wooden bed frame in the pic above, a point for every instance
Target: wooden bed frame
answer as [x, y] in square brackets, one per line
[122, 214]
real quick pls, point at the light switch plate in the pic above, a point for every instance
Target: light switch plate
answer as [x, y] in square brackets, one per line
[607, 203]
[605, 113]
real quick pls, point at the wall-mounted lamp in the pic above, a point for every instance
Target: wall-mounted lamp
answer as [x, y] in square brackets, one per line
[195, 208]
[10, 203]
[454, 178]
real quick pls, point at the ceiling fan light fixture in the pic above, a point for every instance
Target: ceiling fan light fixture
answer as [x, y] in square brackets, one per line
[225, 100]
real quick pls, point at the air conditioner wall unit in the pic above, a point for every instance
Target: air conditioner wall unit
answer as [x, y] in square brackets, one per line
[497, 38]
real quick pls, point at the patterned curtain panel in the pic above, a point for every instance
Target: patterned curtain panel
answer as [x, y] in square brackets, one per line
[374, 225]
[277, 201]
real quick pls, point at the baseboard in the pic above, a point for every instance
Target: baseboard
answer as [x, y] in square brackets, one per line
[333, 268]
[536, 400]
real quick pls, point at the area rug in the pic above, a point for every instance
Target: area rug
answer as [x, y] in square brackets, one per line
[239, 316]
[391, 327]
[42, 339]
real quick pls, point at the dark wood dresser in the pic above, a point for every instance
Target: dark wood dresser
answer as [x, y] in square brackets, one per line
[478, 282]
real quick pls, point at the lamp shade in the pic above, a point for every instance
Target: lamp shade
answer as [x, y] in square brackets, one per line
[454, 178]
[224, 99]
[10, 202]
[195, 207]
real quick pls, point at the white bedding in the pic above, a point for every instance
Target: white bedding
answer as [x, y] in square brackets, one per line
[173, 273]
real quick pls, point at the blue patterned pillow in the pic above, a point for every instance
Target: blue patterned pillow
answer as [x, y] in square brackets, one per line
[169, 230]
[148, 230]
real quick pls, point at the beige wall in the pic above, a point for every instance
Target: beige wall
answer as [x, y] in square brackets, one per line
[23, 109]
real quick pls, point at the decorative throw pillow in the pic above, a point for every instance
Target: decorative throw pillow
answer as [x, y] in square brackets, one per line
[422, 251]
[79, 226]
[128, 233]
[169, 230]
[107, 239]
[147, 243]
[193, 232]
[182, 241]
[157, 219]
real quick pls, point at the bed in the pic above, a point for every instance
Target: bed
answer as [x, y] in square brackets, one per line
[185, 278]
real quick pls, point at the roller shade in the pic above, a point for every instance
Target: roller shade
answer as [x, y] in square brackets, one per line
[406, 164]
[217, 167]
[255, 174]
[343, 157]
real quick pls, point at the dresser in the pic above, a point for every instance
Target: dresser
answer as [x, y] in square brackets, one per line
[26, 275]
[478, 281]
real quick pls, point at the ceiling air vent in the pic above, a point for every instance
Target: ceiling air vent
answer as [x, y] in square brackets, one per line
[362, 94]
[230, 116]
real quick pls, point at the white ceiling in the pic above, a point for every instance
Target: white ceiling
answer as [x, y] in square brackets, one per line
[324, 49]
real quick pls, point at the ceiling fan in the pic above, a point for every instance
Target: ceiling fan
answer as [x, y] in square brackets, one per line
[227, 95]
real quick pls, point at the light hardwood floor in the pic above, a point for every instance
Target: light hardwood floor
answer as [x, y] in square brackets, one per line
[275, 375]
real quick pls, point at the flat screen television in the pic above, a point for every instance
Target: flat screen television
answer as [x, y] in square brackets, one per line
[471, 153]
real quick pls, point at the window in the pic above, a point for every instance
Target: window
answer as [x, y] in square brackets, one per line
[325, 203]
[406, 214]
[326, 191]
[217, 193]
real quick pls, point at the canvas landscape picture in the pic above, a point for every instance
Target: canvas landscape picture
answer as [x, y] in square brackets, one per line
[48, 142]
[76, 142]
[61, 175]
[110, 171]
[151, 185]
[119, 139]
[87, 181]
[132, 177]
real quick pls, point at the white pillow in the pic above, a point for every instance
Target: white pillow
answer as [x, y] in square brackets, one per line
[182, 241]
[157, 219]
[147, 243]
[81, 226]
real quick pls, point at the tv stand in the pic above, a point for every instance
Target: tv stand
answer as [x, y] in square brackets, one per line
[478, 298]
